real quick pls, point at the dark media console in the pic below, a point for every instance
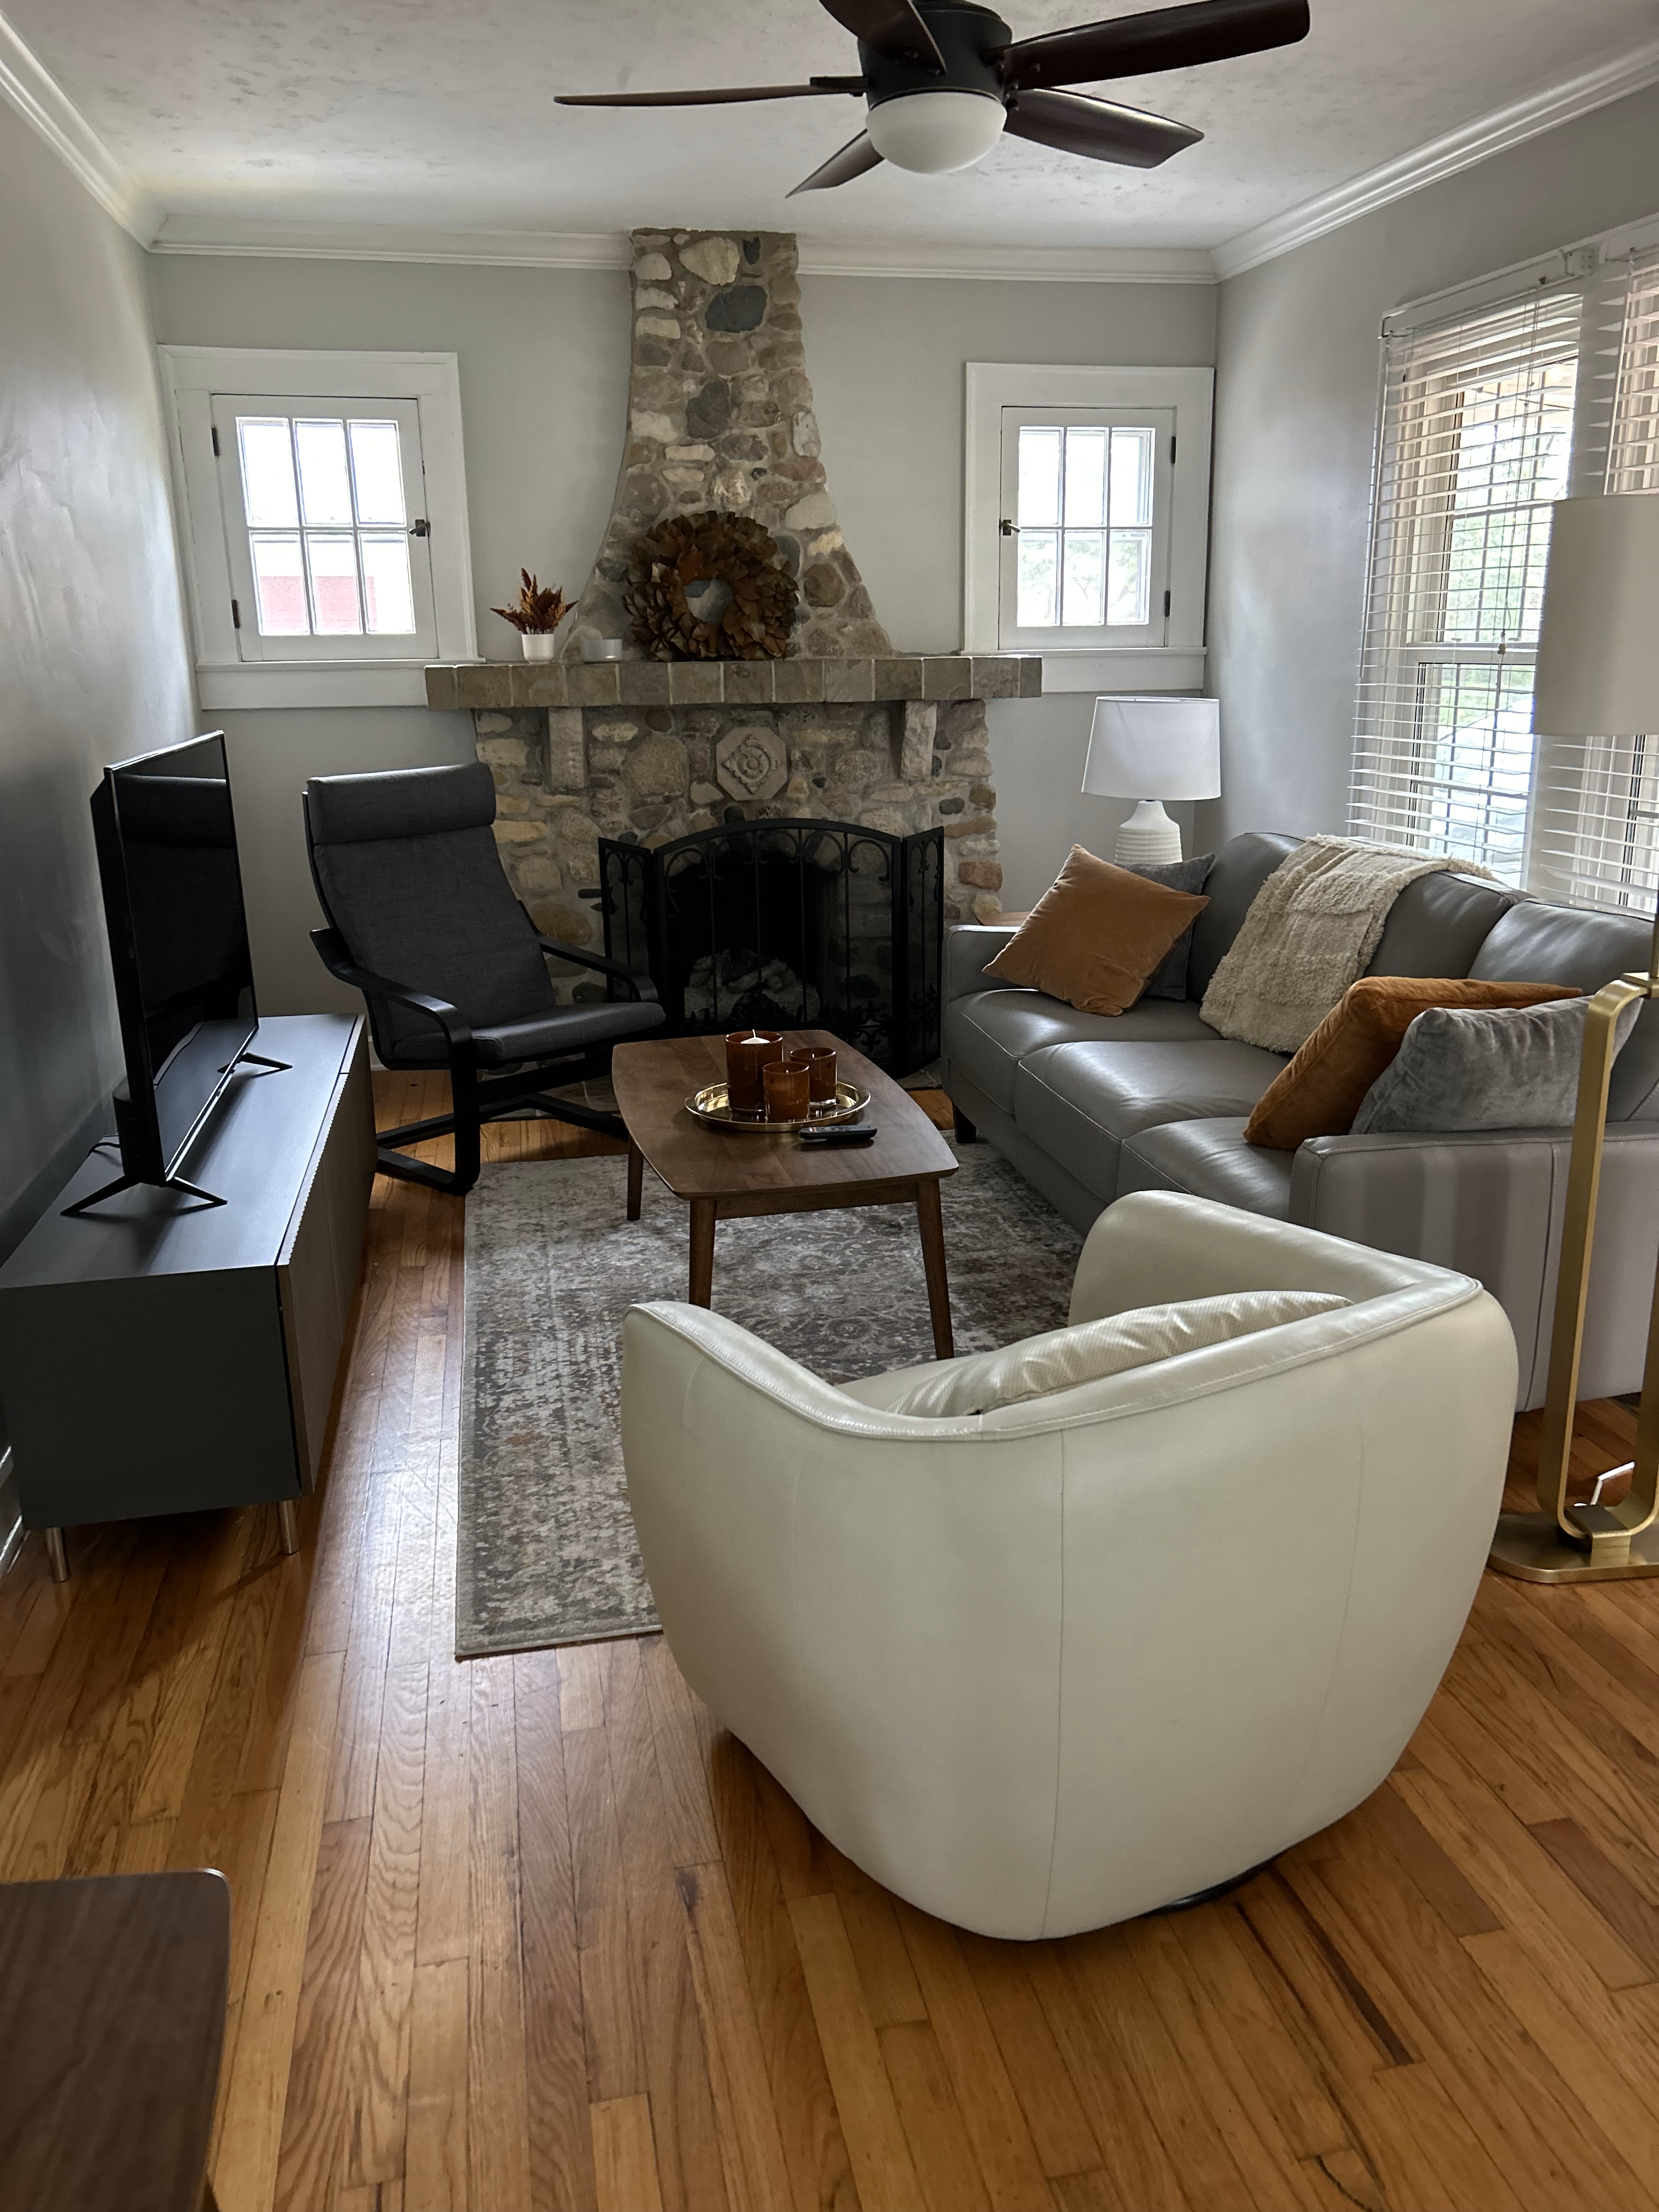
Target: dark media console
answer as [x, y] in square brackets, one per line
[158, 1356]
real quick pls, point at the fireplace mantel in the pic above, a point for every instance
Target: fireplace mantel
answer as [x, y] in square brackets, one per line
[492, 686]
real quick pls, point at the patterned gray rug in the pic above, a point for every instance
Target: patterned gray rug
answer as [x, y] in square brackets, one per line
[545, 1549]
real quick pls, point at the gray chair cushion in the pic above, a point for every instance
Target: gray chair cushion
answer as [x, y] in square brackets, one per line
[1438, 924]
[1169, 978]
[569, 1029]
[1081, 1100]
[1209, 1159]
[410, 874]
[1537, 943]
[989, 1032]
[1237, 874]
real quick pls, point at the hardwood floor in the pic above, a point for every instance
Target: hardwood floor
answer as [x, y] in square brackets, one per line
[532, 1934]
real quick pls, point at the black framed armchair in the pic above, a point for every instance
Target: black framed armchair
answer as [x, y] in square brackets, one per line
[422, 920]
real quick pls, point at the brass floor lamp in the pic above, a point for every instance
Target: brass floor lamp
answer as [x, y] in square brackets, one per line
[1598, 676]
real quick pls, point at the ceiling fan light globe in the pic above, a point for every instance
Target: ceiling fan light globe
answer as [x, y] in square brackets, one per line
[935, 131]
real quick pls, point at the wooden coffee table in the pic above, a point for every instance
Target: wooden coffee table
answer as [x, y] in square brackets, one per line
[725, 1175]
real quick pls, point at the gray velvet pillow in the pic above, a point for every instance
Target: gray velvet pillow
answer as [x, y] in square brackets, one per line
[1500, 1067]
[1169, 978]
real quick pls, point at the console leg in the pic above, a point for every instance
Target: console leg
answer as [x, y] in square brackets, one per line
[962, 1129]
[288, 1526]
[57, 1555]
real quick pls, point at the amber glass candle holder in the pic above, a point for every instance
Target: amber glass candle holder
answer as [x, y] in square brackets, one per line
[819, 1061]
[747, 1052]
[789, 1091]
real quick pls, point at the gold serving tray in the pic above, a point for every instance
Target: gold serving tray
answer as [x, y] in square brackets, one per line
[710, 1105]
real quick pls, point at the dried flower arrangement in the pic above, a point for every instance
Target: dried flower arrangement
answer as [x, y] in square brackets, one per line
[538, 612]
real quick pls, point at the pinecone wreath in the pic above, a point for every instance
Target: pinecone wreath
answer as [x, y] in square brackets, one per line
[674, 595]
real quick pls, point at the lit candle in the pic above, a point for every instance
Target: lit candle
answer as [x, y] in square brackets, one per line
[747, 1052]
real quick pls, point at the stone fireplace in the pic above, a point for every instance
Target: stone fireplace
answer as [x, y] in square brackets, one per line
[643, 751]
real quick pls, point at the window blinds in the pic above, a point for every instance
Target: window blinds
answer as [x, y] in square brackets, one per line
[1474, 445]
[1596, 805]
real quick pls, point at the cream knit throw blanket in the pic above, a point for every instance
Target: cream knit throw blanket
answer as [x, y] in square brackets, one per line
[1309, 933]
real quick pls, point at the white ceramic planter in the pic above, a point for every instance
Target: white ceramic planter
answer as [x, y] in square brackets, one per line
[538, 644]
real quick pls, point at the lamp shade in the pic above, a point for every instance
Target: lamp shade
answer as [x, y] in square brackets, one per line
[1161, 746]
[1598, 647]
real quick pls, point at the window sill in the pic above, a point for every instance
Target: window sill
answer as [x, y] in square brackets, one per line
[318, 683]
[1126, 668]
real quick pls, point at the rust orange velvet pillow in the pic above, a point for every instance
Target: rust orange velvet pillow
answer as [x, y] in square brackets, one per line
[1096, 935]
[1319, 1093]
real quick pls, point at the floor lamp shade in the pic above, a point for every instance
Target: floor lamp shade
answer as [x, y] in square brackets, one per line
[1152, 748]
[1598, 645]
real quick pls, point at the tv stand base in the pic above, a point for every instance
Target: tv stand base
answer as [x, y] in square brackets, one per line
[134, 1182]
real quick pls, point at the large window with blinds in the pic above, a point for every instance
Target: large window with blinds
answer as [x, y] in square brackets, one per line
[1487, 418]
[1475, 447]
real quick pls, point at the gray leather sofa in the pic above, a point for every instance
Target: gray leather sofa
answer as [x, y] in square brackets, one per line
[1089, 1106]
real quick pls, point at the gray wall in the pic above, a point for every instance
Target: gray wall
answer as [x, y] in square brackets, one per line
[543, 372]
[1297, 359]
[92, 659]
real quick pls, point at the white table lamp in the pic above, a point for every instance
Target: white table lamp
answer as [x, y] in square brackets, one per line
[1152, 748]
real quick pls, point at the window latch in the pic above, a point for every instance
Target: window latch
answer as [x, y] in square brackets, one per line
[421, 529]
[1008, 529]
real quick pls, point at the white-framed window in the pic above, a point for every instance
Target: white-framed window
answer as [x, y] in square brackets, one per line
[1540, 386]
[322, 504]
[1086, 521]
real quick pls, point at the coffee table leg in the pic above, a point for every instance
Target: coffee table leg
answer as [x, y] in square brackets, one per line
[636, 1179]
[930, 1222]
[702, 1292]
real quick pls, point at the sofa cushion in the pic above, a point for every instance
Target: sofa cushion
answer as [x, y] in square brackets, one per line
[1168, 979]
[988, 1033]
[1460, 1067]
[1209, 1159]
[1237, 874]
[1560, 944]
[1063, 1359]
[1079, 1101]
[1096, 935]
[1438, 924]
[1320, 1092]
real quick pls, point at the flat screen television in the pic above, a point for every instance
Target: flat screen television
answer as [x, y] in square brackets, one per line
[166, 837]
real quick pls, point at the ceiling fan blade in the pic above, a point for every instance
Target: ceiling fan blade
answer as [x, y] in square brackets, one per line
[830, 85]
[855, 159]
[1165, 39]
[1097, 128]
[896, 29]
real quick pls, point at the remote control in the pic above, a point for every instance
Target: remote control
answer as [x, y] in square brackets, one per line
[842, 1133]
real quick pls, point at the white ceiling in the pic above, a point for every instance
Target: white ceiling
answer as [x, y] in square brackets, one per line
[408, 113]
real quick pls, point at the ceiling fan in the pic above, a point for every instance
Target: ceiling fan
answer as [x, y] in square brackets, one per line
[944, 79]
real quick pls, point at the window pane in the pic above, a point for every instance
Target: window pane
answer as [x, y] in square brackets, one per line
[334, 583]
[377, 474]
[1085, 479]
[1039, 577]
[388, 600]
[325, 486]
[1131, 478]
[1474, 731]
[267, 473]
[1039, 478]
[1129, 591]
[1083, 599]
[280, 587]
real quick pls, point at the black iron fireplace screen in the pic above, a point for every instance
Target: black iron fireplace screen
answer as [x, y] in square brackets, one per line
[787, 925]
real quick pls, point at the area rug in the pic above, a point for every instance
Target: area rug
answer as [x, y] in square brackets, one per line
[545, 1550]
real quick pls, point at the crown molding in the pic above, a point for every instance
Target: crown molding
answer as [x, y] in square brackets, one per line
[53, 117]
[529, 249]
[350, 241]
[1471, 142]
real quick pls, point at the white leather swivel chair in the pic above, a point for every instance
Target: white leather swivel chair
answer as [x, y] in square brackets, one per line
[1050, 1667]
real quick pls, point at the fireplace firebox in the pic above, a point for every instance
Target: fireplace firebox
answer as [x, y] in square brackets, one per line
[786, 925]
